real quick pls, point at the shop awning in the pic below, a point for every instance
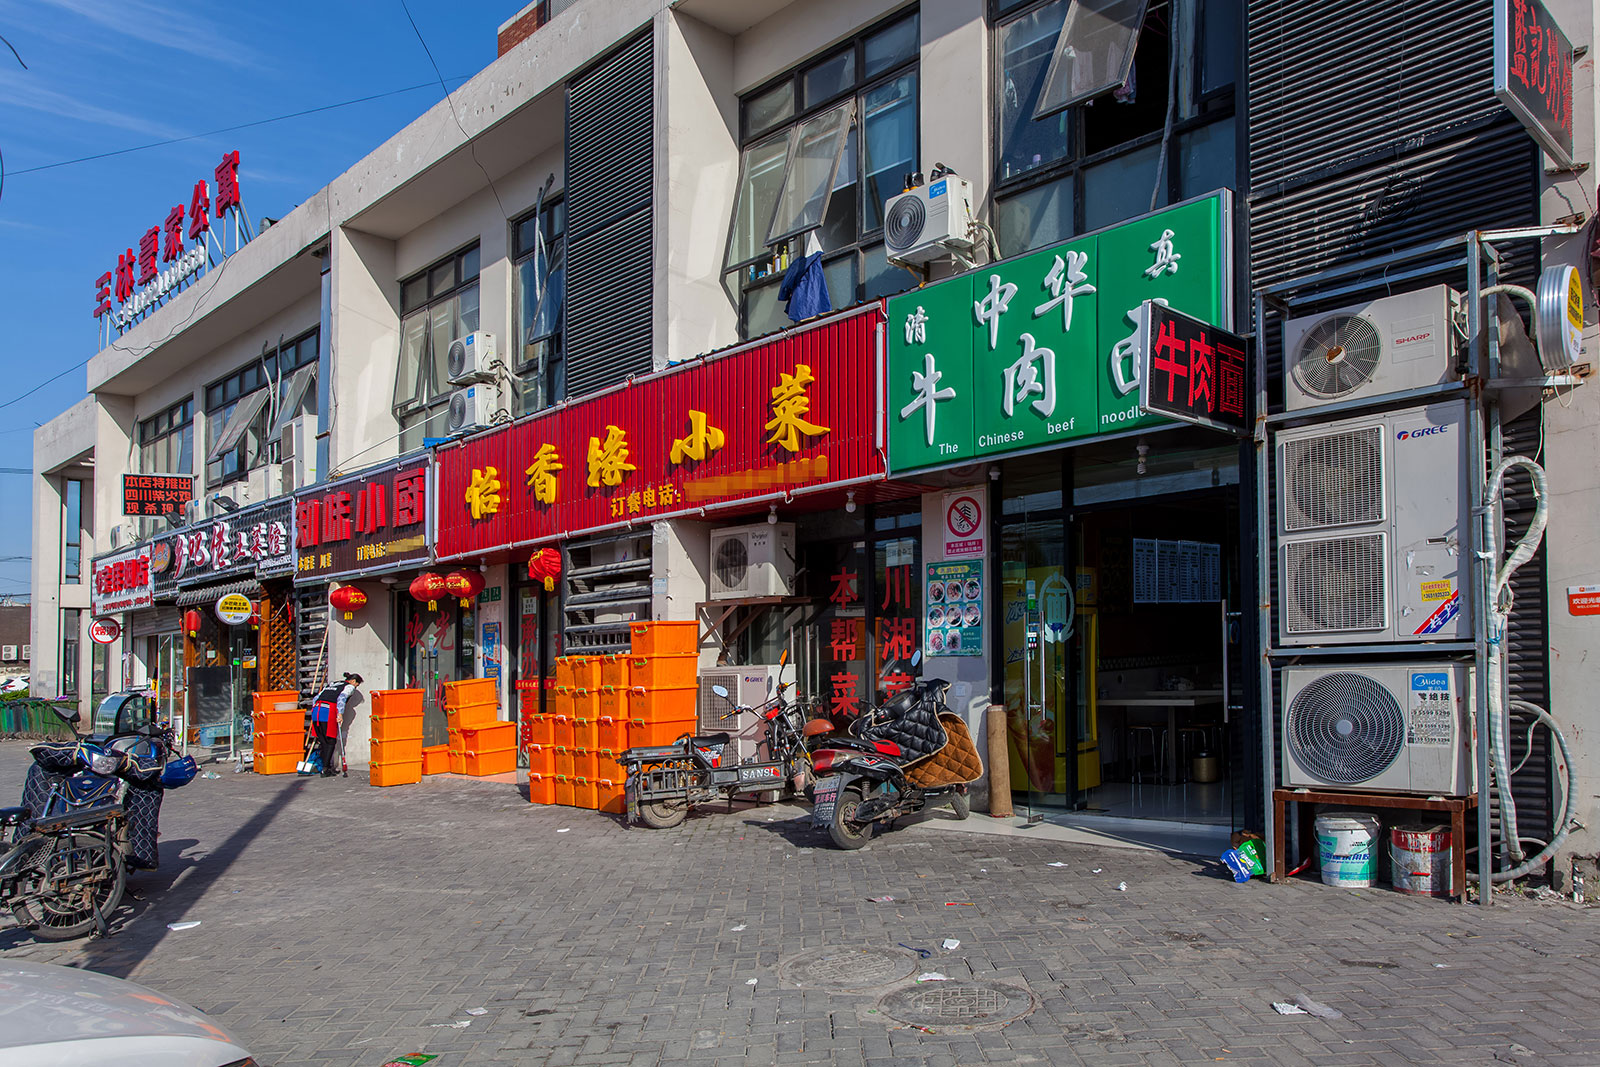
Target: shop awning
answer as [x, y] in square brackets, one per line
[206, 594]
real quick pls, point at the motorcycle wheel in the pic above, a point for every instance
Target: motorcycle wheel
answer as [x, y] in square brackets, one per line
[65, 916]
[661, 814]
[843, 831]
[961, 804]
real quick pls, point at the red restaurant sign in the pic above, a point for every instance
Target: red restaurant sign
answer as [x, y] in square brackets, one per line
[372, 521]
[122, 582]
[794, 414]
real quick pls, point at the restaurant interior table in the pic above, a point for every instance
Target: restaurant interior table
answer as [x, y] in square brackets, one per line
[1173, 700]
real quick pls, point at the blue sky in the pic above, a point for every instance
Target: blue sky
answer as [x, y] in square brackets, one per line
[113, 74]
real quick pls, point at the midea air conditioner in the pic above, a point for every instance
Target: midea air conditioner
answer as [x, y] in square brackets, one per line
[751, 561]
[929, 221]
[1372, 527]
[469, 359]
[747, 686]
[1389, 728]
[471, 408]
[1368, 350]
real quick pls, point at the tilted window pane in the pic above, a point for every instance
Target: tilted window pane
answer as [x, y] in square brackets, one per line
[890, 47]
[443, 327]
[889, 127]
[829, 78]
[1025, 49]
[760, 179]
[1036, 218]
[813, 161]
[770, 108]
[1094, 52]
[413, 347]
[839, 225]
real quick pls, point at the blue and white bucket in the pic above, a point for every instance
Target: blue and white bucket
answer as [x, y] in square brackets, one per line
[1345, 846]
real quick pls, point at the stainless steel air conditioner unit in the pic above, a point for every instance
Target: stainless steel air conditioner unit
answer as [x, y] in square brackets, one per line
[1383, 346]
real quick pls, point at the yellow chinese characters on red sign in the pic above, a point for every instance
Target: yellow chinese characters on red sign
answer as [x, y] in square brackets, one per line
[703, 439]
[790, 406]
[645, 500]
[542, 473]
[608, 460]
[483, 494]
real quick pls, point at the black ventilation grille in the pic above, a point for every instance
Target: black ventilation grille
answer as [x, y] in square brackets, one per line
[1334, 480]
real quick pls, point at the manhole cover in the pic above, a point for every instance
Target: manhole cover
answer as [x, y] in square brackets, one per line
[849, 968]
[957, 1004]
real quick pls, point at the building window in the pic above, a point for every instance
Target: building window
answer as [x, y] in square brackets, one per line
[166, 446]
[538, 246]
[70, 630]
[437, 305]
[822, 148]
[1099, 161]
[72, 533]
[247, 410]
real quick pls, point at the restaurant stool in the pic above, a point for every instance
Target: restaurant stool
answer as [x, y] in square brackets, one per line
[1157, 735]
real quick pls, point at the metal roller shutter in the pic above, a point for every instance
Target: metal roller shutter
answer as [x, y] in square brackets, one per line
[609, 320]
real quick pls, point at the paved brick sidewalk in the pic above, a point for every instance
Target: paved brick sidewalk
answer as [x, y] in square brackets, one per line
[342, 924]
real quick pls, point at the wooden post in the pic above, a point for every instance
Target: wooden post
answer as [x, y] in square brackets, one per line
[999, 763]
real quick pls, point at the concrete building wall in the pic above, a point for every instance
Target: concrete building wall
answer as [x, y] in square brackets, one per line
[63, 448]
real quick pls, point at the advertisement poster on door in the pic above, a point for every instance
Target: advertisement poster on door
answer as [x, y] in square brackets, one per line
[955, 609]
[964, 523]
[491, 650]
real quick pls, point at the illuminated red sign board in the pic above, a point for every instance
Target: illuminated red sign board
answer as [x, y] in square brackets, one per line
[122, 582]
[791, 415]
[1533, 63]
[156, 494]
[369, 522]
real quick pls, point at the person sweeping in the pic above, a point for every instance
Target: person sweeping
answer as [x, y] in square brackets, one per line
[326, 711]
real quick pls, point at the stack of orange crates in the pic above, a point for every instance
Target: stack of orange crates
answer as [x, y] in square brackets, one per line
[396, 737]
[279, 734]
[662, 676]
[480, 744]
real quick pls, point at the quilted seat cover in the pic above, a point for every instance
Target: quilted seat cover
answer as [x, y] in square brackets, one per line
[916, 729]
[956, 762]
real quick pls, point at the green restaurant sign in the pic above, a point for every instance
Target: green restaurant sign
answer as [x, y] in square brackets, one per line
[1040, 349]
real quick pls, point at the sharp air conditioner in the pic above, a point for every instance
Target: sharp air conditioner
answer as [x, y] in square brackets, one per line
[930, 221]
[471, 408]
[751, 561]
[1368, 350]
[1401, 728]
[748, 686]
[1372, 523]
[469, 359]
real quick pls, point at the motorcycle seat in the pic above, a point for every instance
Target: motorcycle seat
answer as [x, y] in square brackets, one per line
[13, 816]
[87, 817]
[712, 739]
[654, 752]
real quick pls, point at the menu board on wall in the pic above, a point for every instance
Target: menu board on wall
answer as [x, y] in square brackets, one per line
[955, 609]
[1176, 572]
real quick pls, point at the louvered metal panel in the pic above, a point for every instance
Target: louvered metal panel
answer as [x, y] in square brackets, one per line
[610, 278]
[1332, 81]
[610, 120]
[1529, 638]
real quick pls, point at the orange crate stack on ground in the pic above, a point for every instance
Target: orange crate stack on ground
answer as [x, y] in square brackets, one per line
[614, 671]
[664, 672]
[384, 774]
[435, 759]
[277, 764]
[280, 742]
[586, 672]
[489, 748]
[396, 737]
[541, 788]
[542, 759]
[565, 790]
[663, 638]
[608, 796]
[399, 703]
[540, 731]
[584, 733]
[583, 793]
[611, 732]
[460, 694]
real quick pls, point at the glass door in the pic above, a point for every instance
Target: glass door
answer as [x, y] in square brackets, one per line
[1039, 650]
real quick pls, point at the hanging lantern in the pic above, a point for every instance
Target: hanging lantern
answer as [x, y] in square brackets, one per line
[348, 599]
[545, 565]
[191, 623]
[255, 615]
[430, 587]
[464, 584]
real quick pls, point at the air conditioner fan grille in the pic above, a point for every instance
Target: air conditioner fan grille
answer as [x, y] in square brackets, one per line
[1337, 356]
[1334, 480]
[456, 358]
[1345, 728]
[1336, 585]
[460, 413]
[903, 226]
[732, 565]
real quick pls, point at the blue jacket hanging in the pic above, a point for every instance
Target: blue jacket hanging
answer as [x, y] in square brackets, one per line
[804, 288]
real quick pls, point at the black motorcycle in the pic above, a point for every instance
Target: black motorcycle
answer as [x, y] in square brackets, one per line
[663, 782]
[910, 754]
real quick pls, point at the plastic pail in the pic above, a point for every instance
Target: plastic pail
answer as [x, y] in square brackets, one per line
[1345, 846]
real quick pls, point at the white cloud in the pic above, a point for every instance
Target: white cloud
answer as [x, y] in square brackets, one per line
[22, 91]
[188, 32]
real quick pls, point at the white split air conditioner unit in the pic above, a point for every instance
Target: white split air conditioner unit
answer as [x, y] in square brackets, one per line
[746, 686]
[8, 653]
[1384, 346]
[751, 561]
[1373, 525]
[930, 221]
[471, 408]
[1392, 728]
[297, 448]
[469, 359]
[123, 533]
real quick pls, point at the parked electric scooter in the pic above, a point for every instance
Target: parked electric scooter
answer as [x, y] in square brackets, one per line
[911, 754]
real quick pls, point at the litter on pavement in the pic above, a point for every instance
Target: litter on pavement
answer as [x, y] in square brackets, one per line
[188, 925]
[1057, 863]
[564, 829]
[922, 953]
[412, 1059]
[951, 944]
[477, 1011]
[881, 900]
[753, 981]
[736, 929]
[1122, 887]
[932, 976]
[460, 1024]
[1285, 1008]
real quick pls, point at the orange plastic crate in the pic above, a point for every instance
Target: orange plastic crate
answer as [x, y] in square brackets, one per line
[564, 674]
[458, 761]
[608, 796]
[611, 732]
[472, 715]
[436, 759]
[583, 793]
[667, 704]
[565, 761]
[614, 671]
[396, 773]
[606, 765]
[278, 744]
[613, 701]
[397, 727]
[470, 691]
[585, 703]
[664, 638]
[585, 763]
[453, 741]
[489, 737]
[541, 730]
[289, 720]
[541, 789]
[406, 751]
[664, 672]
[586, 672]
[541, 759]
[643, 732]
[275, 700]
[584, 733]
[399, 702]
[495, 761]
[279, 764]
[562, 732]
[565, 793]
[560, 701]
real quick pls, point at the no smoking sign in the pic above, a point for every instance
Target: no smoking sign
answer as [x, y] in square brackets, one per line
[964, 523]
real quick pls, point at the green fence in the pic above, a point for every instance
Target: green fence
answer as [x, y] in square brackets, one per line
[31, 718]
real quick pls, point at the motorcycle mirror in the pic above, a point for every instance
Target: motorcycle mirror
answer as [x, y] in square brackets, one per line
[916, 657]
[75, 717]
[783, 657]
[721, 691]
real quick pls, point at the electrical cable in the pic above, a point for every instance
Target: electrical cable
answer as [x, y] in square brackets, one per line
[14, 51]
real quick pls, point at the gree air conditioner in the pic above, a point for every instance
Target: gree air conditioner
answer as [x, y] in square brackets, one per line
[470, 359]
[930, 221]
[747, 687]
[1373, 524]
[752, 561]
[471, 408]
[1384, 346]
[1392, 728]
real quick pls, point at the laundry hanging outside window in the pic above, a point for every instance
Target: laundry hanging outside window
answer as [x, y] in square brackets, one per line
[804, 287]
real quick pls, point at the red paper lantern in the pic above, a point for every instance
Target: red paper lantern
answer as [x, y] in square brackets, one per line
[255, 614]
[191, 623]
[348, 599]
[430, 587]
[464, 584]
[545, 566]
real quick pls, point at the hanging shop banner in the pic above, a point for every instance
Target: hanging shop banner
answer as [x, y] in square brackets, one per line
[790, 415]
[1042, 349]
[954, 596]
[1533, 63]
[234, 609]
[375, 521]
[156, 494]
[965, 522]
[1194, 372]
[254, 541]
[122, 581]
